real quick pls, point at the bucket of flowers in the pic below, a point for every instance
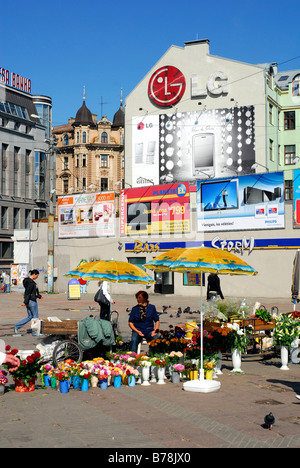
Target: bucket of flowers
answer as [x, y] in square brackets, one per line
[3, 381]
[117, 372]
[176, 369]
[132, 373]
[63, 377]
[26, 374]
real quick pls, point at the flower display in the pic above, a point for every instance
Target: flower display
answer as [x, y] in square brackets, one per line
[287, 328]
[159, 362]
[3, 378]
[29, 368]
[178, 367]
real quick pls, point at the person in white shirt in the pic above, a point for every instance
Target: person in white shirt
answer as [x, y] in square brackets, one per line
[105, 308]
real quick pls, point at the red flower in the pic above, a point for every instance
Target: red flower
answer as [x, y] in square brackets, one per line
[30, 360]
[24, 362]
[14, 351]
[7, 348]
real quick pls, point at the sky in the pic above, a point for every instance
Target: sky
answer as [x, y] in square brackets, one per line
[65, 45]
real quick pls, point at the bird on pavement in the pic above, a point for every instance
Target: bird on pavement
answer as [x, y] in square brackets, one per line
[269, 420]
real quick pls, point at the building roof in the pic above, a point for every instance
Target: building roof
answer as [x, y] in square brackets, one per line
[119, 118]
[284, 78]
[62, 128]
[84, 116]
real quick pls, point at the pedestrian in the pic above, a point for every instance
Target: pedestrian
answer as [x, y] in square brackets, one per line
[31, 295]
[213, 286]
[143, 321]
[6, 280]
[104, 299]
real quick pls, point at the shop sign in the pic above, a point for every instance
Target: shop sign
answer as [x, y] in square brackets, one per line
[166, 86]
[15, 80]
[237, 246]
[145, 247]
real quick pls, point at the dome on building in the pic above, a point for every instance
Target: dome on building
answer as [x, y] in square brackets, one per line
[84, 116]
[119, 118]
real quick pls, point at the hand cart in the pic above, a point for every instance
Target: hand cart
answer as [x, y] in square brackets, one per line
[68, 347]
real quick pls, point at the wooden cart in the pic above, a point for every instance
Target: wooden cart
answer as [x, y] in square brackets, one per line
[68, 347]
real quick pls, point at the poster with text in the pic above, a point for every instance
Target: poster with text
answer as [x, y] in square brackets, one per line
[296, 193]
[161, 209]
[236, 203]
[86, 215]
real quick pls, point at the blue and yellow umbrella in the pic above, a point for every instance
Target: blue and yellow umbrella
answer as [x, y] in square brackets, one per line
[201, 260]
[110, 270]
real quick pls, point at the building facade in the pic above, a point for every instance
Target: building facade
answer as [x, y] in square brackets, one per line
[90, 153]
[24, 185]
[193, 123]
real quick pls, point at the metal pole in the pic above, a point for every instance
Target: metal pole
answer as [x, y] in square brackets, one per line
[50, 275]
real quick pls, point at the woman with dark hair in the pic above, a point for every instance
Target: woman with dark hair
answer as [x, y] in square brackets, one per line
[31, 295]
[143, 320]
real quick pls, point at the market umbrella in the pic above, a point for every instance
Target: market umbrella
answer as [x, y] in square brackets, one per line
[296, 278]
[111, 270]
[201, 260]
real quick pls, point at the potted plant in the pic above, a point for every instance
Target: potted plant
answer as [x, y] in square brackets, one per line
[176, 370]
[263, 315]
[26, 374]
[287, 328]
[237, 341]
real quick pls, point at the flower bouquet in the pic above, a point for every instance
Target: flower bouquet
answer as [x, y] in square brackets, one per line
[3, 381]
[287, 328]
[178, 367]
[159, 362]
[26, 374]
[236, 338]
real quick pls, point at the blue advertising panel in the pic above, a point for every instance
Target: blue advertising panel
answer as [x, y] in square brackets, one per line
[253, 201]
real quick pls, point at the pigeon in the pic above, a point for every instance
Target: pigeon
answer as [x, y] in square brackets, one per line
[269, 420]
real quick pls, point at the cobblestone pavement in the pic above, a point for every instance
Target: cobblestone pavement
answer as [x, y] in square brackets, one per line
[157, 417]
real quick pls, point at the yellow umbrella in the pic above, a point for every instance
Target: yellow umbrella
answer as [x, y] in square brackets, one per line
[110, 270]
[199, 260]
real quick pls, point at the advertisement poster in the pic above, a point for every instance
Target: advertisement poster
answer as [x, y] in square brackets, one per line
[160, 209]
[296, 189]
[247, 202]
[86, 215]
[186, 146]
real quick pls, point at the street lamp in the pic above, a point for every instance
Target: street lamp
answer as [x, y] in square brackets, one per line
[254, 166]
[50, 272]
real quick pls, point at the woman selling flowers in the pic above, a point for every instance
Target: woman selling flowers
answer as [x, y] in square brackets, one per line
[143, 320]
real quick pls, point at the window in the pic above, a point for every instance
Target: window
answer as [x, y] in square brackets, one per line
[65, 185]
[104, 184]
[84, 137]
[289, 154]
[139, 261]
[27, 219]
[83, 183]
[271, 153]
[66, 163]
[84, 160]
[66, 139]
[16, 218]
[4, 211]
[288, 189]
[77, 137]
[16, 184]
[296, 86]
[4, 164]
[289, 120]
[270, 114]
[104, 160]
[104, 137]
[77, 160]
[6, 250]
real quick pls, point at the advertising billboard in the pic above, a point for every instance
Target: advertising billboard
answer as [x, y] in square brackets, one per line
[187, 146]
[248, 202]
[160, 209]
[86, 215]
[296, 197]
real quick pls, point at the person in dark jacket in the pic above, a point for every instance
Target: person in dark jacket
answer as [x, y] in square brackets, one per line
[213, 286]
[31, 295]
[143, 320]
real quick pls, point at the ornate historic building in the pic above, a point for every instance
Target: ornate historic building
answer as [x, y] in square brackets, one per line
[90, 154]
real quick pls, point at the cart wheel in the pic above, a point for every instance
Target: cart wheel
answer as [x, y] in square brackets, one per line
[67, 349]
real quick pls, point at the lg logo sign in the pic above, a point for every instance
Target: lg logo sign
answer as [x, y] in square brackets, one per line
[166, 86]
